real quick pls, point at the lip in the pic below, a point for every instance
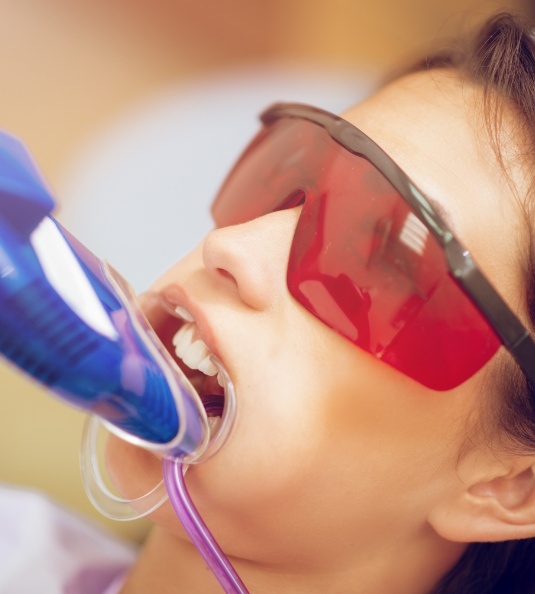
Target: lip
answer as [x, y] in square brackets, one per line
[175, 295]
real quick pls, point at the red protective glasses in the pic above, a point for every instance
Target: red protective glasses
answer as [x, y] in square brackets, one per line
[370, 257]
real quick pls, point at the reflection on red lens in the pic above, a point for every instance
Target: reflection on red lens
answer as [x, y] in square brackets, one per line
[373, 272]
[361, 261]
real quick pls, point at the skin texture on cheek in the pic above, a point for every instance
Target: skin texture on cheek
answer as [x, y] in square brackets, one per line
[324, 436]
[312, 462]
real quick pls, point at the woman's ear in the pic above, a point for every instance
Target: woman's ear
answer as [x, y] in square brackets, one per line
[495, 501]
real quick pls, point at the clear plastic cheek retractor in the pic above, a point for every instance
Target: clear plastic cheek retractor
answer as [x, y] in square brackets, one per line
[72, 322]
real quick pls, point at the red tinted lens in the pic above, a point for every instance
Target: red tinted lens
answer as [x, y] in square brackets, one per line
[282, 161]
[361, 261]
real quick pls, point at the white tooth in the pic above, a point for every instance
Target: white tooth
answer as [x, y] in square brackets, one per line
[179, 332]
[182, 339]
[195, 353]
[183, 313]
[207, 367]
[221, 379]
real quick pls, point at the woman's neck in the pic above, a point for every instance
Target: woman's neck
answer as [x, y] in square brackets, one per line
[171, 565]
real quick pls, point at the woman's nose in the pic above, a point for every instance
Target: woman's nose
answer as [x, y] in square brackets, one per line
[252, 258]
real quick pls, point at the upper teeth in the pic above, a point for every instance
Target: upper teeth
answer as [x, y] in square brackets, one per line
[183, 313]
[192, 350]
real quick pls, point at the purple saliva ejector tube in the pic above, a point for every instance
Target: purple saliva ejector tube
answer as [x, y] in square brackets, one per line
[70, 321]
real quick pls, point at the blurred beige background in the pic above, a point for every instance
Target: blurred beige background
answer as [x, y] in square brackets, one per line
[69, 68]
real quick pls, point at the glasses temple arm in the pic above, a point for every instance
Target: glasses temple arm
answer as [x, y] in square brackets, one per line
[514, 336]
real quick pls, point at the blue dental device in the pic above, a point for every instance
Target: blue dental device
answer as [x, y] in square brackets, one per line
[70, 321]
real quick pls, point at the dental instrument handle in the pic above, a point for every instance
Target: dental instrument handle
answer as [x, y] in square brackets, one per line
[70, 321]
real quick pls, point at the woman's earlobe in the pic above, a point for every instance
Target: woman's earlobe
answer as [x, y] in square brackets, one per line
[491, 509]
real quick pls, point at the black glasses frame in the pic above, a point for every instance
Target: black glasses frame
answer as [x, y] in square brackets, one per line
[514, 336]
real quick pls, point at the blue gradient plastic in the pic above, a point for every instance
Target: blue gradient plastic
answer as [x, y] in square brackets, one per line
[89, 343]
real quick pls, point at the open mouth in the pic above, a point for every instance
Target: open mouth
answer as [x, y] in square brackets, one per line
[178, 332]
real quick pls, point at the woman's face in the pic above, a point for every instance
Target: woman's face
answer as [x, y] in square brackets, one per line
[332, 450]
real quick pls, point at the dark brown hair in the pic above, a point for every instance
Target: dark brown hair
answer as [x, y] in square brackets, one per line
[500, 58]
